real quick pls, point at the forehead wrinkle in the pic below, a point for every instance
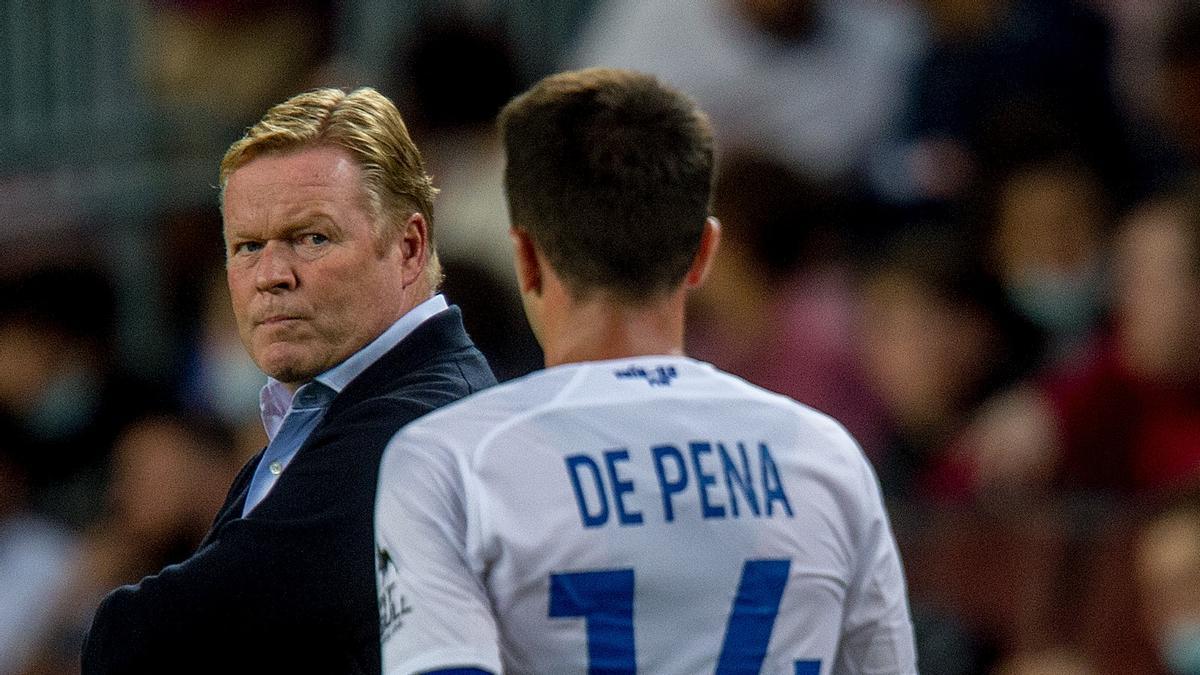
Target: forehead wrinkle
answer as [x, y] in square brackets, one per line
[269, 195]
[285, 214]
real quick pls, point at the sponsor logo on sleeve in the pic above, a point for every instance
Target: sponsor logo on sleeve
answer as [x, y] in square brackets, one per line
[393, 605]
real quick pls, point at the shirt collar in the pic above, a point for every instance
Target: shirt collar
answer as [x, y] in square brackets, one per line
[275, 399]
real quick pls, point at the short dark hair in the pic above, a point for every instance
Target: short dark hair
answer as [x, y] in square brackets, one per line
[610, 173]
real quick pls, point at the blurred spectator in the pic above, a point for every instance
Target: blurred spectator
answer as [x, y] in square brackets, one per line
[59, 388]
[1006, 81]
[1168, 573]
[168, 481]
[777, 308]
[169, 475]
[1122, 416]
[814, 83]
[939, 340]
[1128, 410]
[1048, 245]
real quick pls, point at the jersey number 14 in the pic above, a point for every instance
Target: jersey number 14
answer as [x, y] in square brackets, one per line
[605, 600]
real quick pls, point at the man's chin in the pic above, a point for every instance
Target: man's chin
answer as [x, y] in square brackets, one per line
[288, 370]
[292, 377]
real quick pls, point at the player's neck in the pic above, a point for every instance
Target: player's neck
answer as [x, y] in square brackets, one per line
[600, 329]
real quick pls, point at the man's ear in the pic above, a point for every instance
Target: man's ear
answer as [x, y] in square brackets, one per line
[527, 262]
[710, 239]
[413, 241]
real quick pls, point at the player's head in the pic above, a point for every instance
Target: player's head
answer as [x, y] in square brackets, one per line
[609, 173]
[366, 124]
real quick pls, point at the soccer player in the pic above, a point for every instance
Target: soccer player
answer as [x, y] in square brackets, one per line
[628, 509]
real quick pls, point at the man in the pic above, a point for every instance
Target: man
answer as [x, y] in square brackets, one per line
[333, 275]
[628, 509]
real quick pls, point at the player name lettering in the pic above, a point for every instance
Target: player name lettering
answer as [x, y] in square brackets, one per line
[721, 480]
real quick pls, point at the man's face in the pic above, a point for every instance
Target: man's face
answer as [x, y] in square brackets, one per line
[310, 282]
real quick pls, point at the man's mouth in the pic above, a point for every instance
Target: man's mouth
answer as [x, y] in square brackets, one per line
[278, 319]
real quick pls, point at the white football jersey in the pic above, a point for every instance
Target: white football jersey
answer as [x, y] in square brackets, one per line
[649, 515]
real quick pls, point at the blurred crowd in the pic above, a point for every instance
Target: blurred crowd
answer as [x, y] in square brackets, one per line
[968, 230]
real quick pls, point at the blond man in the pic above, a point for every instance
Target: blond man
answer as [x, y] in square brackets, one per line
[333, 274]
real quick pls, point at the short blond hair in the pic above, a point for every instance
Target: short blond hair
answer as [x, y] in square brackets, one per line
[366, 124]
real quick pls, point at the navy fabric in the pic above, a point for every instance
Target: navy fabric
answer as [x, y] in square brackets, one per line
[291, 586]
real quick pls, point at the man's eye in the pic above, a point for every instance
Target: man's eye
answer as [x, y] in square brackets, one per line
[247, 247]
[314, 239]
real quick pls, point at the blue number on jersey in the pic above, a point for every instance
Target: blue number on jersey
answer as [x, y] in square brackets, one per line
[753, 617]
[605, 600]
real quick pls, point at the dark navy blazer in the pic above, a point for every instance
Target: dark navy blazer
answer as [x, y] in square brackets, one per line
[291, 586]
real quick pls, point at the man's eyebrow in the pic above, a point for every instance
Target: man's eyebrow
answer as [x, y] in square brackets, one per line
[291, 228]
[310, 220]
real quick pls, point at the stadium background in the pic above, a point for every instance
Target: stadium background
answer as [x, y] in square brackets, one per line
[967, 229]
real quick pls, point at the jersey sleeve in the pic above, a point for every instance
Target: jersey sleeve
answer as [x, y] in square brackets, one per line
[877, 632]
[433, 609]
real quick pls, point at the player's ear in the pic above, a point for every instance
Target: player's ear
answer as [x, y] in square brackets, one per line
[525, 258]
[710, 238]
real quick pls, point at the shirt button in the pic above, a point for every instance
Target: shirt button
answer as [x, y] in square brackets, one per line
[276, 468]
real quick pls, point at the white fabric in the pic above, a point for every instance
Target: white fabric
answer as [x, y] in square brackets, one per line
[477, 509]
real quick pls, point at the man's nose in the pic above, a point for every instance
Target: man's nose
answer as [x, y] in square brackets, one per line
[275, 271]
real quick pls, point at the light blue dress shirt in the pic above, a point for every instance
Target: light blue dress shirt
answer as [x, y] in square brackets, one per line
[289, 419]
